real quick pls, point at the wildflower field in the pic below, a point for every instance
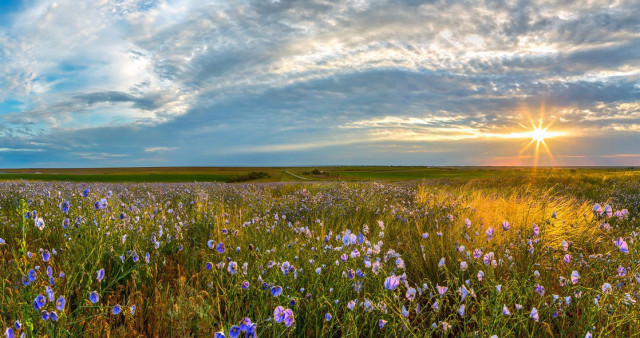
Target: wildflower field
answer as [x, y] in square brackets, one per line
[511, 256]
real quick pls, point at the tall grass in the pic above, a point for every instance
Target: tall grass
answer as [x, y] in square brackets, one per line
[176, 295]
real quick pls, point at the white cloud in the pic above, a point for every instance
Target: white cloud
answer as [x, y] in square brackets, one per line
[156, 149]
[340, 73]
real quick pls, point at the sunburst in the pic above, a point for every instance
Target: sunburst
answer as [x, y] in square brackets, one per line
[538, 135]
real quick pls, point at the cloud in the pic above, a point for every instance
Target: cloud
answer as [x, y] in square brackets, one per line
[99, 156]
[113, 97]
[256, 82]
[20, 150]
[155, 149]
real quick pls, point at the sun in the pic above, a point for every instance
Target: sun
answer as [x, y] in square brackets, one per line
[538, 134]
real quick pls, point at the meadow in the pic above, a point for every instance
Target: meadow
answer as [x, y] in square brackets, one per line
[292, 174]
[550, 253]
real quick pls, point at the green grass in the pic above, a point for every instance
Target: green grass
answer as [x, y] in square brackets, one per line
[121, 177]
[175, 294]
[281, 174]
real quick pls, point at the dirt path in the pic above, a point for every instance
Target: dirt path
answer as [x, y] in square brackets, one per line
[298, 177]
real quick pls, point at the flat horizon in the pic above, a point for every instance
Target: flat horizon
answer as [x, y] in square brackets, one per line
[335, 166]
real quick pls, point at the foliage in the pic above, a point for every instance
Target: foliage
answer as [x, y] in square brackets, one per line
[333, 248]
[249, 177]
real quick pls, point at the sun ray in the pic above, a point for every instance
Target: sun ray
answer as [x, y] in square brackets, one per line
[538, 133]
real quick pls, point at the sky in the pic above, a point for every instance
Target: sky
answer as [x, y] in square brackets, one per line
[113, 83]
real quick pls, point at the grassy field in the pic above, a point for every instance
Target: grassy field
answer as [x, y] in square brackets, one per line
[512, 253]
[287, 174]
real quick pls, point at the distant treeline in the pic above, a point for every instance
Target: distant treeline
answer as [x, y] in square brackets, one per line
[248, 177]
[319, 173]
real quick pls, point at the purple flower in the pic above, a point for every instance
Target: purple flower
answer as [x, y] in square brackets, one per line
[276, 291]
[489, 233]
[410, 294]
[606, 288]
[574, 277]
[251, 331]
[100, 275]
[622, 245]
[461, 310]
[116, 309]
[234, 331]
[597, 208]
[40, 223]
[54, 316]
[382, 323]
[46, 255]
[278, 314]
[245, 323]
[392, 282]
[534, 314]
[536, 231]
[8, 333]
[441, 289]
[210, 243]
[288, 317]
[44, 314]
[93, 297]
[327, 317]
[506, 226]
[404, 311]
[233, 267]
[463, 292]
[49, 294]
[39, 302]
[505, 310]
[539, 289]
[220, 247]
